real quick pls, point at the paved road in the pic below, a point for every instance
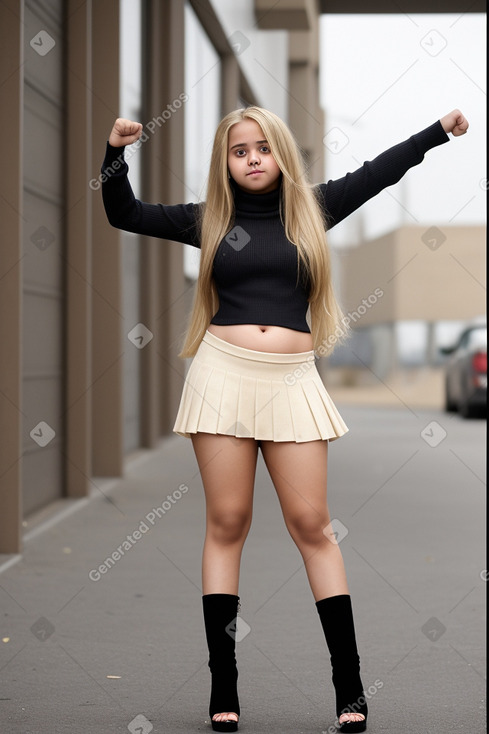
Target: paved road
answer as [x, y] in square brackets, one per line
[87, 651]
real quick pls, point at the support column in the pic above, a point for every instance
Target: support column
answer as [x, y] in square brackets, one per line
[152, 372]
[306, 117]
[11, 124]
[78, 145]
[106, 280]
[174, 294]
[230, 83]
[164, 282]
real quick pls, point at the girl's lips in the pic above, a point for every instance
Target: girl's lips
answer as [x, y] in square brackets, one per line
[253, 173]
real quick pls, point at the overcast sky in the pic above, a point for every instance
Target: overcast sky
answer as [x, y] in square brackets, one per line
[385, 77]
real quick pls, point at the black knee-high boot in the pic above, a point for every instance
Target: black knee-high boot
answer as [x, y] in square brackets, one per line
[219, 612]
[336, 617]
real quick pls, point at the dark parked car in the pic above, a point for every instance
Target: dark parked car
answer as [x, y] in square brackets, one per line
[466, 372]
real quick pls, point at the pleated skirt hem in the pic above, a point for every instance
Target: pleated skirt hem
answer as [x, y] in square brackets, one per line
[245, 393]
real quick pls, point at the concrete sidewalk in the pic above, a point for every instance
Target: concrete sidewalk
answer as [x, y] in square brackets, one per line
[101, 647]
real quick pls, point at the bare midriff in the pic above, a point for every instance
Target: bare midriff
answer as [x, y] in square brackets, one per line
[264, 338]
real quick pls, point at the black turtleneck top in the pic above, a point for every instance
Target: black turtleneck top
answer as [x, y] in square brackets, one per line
[255, 266]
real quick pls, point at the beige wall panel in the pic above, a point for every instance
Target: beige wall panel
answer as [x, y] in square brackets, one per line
[440, 279]
[230, 84]
[302, 105]
[106, 278]
[288, 14]
[42, 243]
[162, 264]
[41, 466]
[43, 297]
[11, 205]
[316, 169]
[446, 279]
[365, 269]
[78, 230]
[176, 286]
[42, 470]
[43, 154]
[42, 343]
[45, 72]
[304, 46]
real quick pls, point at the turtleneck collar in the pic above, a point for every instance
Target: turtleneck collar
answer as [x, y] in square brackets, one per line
[256, 204]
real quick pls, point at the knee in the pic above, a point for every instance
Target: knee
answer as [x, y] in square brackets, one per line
[229, 527]
[309, 528]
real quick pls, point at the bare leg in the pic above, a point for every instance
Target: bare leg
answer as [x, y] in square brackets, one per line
[227, 467]
[299, 474]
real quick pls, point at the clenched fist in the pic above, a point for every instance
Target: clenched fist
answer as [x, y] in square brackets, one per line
[455, 123]
[125, 132]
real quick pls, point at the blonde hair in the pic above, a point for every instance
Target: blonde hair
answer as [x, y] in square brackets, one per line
[304, 227]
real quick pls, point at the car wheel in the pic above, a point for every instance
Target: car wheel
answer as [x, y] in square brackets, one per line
[450, 406]
[465, 408]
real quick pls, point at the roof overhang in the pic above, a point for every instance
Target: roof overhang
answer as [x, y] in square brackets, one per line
[299, 15]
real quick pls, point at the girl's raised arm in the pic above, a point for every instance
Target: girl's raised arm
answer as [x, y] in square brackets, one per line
[170, 222]
[342, 196]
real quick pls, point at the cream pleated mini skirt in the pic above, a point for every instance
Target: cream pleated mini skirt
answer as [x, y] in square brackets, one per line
[264, 395]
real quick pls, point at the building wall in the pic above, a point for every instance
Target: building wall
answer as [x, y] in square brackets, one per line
[430, 274]
[447, 278]
[405, 292]
[43, 272]
[76, 288]
[70, 303]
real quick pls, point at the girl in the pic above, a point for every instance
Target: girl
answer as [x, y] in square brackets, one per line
[253, 382]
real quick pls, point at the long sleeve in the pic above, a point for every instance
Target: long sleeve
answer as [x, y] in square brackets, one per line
[341, 197]
[171, 222]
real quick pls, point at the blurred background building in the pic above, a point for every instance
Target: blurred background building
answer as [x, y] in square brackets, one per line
[92, 318]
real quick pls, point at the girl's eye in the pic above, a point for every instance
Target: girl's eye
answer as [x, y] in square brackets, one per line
[241, 152]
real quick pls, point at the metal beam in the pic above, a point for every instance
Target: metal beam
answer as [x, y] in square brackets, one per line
[402, 6]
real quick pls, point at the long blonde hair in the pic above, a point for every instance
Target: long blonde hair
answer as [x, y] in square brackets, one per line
[304, 226]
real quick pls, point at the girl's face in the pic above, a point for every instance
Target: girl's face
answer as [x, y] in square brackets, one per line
[250, 162]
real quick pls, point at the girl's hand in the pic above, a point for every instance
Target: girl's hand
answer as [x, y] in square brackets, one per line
[125, 132]
[455, 123]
